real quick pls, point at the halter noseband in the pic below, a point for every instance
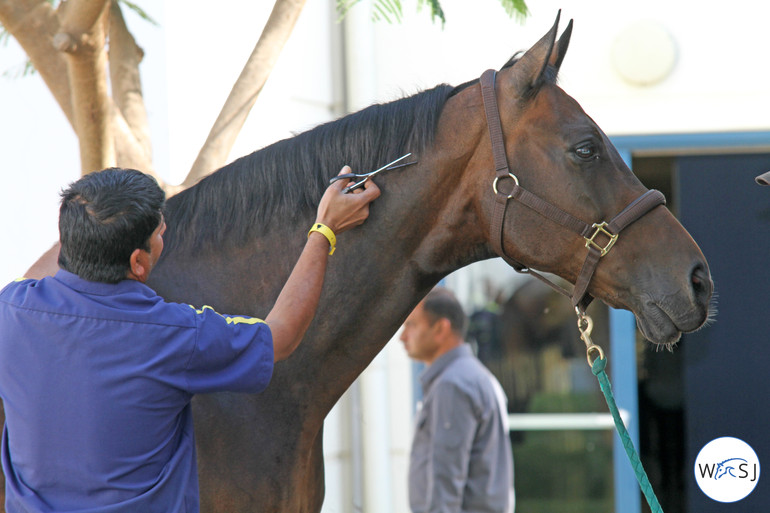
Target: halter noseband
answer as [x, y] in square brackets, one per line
[599, 237]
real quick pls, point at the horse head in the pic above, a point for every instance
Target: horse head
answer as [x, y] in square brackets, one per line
[724, 469]
[559, 154]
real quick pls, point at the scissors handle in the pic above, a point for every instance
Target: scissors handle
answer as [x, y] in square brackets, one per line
[355, 186]
[343, 177]
[366, 176]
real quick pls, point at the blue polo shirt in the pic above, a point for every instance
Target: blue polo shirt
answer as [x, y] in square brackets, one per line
[96, 381]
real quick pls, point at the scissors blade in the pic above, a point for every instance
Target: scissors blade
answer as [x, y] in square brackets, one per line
[386, 166]
[369, 175]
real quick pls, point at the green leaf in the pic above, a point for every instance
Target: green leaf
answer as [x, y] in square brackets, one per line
[436, 10]
[391, 10]
[139, 11]
[343, 6]
[516, 9]
[22, 70]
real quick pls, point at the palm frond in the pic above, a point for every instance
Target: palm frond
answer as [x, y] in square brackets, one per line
[387, 10]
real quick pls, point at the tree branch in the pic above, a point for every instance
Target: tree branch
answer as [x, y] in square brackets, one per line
[125, 57]
[220, 140]
[133, 147]
[78, 20]
[82, 39]
[129, 153]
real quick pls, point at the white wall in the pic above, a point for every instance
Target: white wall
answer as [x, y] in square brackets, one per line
[720, 80]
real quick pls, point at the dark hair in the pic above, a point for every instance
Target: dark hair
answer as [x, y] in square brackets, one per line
[104, 217]
[441, 303]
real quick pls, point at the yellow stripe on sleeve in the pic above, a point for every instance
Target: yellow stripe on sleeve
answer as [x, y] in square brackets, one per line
[229, 319]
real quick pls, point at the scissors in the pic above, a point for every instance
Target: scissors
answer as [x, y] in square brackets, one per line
[366, 176]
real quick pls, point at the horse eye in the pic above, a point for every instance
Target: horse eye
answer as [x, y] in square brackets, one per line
[586, 151]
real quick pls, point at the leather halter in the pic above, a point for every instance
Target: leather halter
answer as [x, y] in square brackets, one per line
[599, 237]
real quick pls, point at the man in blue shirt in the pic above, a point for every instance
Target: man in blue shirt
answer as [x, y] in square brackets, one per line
[461, 459]
[97, 371]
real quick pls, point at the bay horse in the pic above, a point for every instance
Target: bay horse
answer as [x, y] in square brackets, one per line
[232, 240]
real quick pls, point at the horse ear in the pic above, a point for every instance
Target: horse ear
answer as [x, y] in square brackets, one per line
[557, 55]
[527, 74]
[561, 47]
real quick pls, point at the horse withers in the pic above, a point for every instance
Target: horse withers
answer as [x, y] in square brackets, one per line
[232, 240]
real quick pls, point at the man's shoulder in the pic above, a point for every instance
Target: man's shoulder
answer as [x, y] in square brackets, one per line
[124, 302]
[463, 370]
[467, 361]
[466, 373]
[18, 283]
[15, 291]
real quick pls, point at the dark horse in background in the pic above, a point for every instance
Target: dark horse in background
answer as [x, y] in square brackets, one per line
[233, 238]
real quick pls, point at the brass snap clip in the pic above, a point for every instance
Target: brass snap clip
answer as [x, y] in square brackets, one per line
[585, 326]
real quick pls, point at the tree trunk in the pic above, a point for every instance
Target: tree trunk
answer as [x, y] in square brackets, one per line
[246, 89]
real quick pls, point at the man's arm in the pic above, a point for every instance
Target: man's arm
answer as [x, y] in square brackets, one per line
[296, 304]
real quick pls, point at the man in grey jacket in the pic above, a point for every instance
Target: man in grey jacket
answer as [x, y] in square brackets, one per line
[461, 459]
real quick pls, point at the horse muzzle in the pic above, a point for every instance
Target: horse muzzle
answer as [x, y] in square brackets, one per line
[663, 314]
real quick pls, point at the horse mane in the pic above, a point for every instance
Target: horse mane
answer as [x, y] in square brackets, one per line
[286, 180]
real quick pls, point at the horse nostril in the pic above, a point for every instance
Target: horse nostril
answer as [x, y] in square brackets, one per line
[701, 281]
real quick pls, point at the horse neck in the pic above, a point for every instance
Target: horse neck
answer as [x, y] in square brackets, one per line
[424, 226]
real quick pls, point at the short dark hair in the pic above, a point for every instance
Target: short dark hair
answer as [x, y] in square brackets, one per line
[104, 216]
[441, 303]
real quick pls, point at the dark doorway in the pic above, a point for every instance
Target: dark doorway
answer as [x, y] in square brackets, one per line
[713, 384]
[726, 386]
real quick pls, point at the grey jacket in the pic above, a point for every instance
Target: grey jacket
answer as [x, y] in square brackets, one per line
[461, 459]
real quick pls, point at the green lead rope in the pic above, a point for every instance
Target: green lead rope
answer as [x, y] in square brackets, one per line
[597, 367]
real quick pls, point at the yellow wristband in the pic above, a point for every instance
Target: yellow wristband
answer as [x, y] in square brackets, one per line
[326, 232]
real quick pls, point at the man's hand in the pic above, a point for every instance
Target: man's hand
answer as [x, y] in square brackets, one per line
[340, 211]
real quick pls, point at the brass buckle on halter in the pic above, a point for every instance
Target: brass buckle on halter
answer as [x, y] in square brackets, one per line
[601, 228]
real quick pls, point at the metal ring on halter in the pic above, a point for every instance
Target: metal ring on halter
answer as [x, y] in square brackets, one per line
[510, 175]
[593, 347]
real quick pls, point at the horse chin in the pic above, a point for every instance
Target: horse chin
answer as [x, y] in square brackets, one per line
[662, 323]
[657, 327]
